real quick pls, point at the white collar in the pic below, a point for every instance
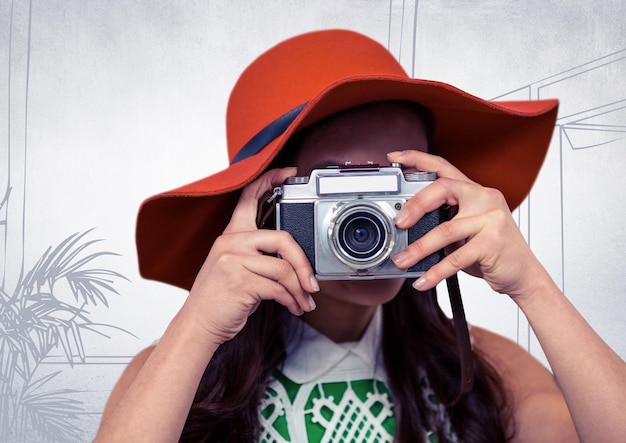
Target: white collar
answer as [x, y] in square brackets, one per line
[312, 354]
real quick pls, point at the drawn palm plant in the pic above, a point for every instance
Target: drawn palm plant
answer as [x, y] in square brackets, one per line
[38, 318]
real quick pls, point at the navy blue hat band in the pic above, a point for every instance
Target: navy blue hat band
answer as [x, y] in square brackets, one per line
[267, 134]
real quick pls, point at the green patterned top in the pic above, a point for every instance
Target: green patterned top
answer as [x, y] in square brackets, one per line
[336, 392]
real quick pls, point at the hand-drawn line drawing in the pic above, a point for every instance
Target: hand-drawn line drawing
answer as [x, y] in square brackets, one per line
[35, 320]
[590, 122]
[43, 310]
[584, 125]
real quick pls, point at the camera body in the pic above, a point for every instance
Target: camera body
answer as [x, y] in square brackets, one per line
[343, 218]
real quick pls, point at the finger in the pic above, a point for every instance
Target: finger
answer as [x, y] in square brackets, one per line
[441, 192]
[279, 282]
[244, 215]
[283, 244]
[423, 161]
[452, 232]
[259, 288]
[458, 260]
[259, 242]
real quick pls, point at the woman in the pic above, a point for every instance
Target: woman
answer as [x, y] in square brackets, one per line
[232, 365]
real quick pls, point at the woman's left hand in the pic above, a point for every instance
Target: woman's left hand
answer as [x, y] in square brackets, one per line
[482, 239]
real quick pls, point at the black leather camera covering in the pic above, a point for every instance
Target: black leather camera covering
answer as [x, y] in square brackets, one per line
[298, 220]
[425, 224]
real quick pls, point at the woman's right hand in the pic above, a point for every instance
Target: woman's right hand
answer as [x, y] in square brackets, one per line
[240, 271]
[247, 265]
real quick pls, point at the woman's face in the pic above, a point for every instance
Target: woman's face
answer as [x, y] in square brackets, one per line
[360, 135]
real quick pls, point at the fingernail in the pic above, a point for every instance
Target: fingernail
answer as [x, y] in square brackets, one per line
[312, 304]
[401, 217]
[395, 153]
[314, 284]
[419, 283]
[399, 258]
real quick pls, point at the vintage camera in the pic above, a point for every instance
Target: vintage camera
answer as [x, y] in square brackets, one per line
[343, 218]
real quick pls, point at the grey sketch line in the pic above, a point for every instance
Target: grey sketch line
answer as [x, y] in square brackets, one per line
[575, 147]
[389, 25]
[579, 122]
[24, 146]
[566, 126]
[415, 9]
[597, 127]
[596, 111]
[567, 75]
[562, 210]
[534, 88]
[401, 29]
[90, 360]
[401, 33]
[5, 201]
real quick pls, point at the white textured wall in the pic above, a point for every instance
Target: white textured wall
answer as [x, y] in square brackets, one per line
[105, 103]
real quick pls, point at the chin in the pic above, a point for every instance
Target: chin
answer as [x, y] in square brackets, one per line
[364, 292]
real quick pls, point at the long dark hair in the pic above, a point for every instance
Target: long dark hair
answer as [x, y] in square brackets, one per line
[417, 333]
[417, 336]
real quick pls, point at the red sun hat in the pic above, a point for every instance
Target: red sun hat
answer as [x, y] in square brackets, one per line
[304, 79]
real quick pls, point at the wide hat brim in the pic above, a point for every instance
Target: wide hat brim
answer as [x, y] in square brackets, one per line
[497, 144]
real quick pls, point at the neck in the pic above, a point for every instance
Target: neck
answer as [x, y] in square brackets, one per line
[339, 321]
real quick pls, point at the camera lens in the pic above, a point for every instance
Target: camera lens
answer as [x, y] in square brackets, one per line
[361, 235]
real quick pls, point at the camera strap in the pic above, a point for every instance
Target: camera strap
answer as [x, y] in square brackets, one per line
[464, 344]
